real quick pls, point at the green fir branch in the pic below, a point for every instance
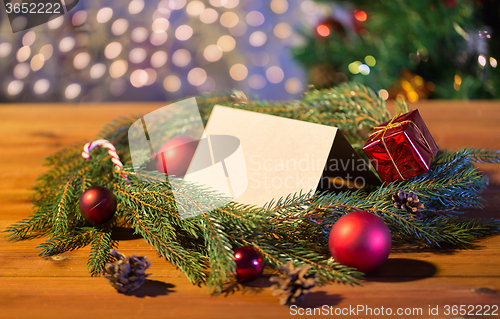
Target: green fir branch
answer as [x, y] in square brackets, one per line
[294, 228]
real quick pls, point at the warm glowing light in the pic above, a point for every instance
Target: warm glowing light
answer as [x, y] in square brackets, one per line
[112, 50]
[383, 94]
[482, 60]
[5, 49]
[29, 38]
[209, 16]
[183, 32]
[138, 78]
[104, 15]
[257, 39]
[282, 30]
[230, 4]
[158, 59]
[493, 62]
[212, 53]
[55, 23]
[309, 7]
[418, 80]
[406, 86]
[279, 6]
[81, 60]
[323, 30]
[456, 86]
[238, 72]
[137, 55]
[172, 83]
[72, 91]
[226, 43]
[354, 67]
[41, 86]
[120, 26]
[97, 70]
[46, 51]
[370, 60]
[152, 75]
[176, 4]
[139, 34]
[217, 3]
[197, 76]
[229, 19]
[293, 85]
[412, 96]
[67, 44]
[181, 57]
[255, 18]
[15, 87]
[458, 79]
[79, 18]
[257, 81]
[23, 54]
[360, 15]
[158, 38]
[160, 24]
[275, 74]
[195, 8]
[118, 68]
[21, 70]
[135, 6]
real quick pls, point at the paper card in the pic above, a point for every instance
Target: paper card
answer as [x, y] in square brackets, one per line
[283, 156]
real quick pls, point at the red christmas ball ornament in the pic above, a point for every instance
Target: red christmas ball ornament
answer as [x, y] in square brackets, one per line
[97, 205]
[361, 240]
[174, 156]
[249, 263]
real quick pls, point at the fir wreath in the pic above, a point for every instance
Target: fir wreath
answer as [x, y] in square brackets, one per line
[295, 228]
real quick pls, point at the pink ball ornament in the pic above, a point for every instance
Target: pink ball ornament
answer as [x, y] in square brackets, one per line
[175, 155]
[361, 240]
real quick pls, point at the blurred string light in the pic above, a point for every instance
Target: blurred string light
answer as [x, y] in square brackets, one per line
[175, 45]
[360, 15]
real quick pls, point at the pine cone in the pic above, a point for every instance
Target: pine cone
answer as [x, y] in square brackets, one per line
[127, 273]
[408, 201]
[292, 283]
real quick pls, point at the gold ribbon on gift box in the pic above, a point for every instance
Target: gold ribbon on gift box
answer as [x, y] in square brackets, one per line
[382, 130]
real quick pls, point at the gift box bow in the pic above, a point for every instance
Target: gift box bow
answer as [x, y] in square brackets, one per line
[398, 122]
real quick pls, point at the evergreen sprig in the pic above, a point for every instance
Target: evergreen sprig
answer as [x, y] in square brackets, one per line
[295, 228]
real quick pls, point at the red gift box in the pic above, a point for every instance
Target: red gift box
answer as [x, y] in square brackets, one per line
[401, 148]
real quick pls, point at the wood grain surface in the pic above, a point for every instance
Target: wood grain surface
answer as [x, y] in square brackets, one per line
[60, 287]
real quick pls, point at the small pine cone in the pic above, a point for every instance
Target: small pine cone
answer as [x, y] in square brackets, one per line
[127, 273]
[293, 283]
[408, 201]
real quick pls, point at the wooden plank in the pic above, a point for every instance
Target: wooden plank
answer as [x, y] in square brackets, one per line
[34, 287]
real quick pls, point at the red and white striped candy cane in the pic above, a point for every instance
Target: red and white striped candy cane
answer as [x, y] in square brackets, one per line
[111, 150]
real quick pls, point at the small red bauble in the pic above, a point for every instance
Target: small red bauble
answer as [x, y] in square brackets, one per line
[361, 240]
[97, 205]
[175, 155]
[249, 263]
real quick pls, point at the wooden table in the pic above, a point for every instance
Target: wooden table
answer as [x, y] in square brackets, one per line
[59, 287]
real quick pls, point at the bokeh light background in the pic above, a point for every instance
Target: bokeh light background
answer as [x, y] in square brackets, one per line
[142, 50]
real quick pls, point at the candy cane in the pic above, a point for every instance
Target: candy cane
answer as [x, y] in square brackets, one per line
[111, 150]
